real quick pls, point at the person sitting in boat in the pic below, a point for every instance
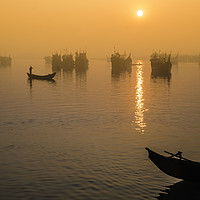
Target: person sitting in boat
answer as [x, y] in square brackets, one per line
[30, 69]
[179, 155]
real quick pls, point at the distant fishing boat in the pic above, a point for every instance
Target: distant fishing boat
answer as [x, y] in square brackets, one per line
[161, 63]
[41, 77]
[67, 62]
[177, 167]
[81, 61]
[121, 62]
[56, 61]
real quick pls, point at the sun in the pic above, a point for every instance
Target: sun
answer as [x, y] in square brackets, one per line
[139, 13]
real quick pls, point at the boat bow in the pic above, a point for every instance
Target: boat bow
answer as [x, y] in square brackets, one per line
[178, 168]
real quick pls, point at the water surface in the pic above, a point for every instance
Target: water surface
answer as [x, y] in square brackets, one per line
[84, 135]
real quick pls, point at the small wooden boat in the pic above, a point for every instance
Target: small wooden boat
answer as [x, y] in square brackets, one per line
[178, 167]
[41, 77]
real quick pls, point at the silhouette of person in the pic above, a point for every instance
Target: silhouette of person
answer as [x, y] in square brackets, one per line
[179, 154]
[30, 69]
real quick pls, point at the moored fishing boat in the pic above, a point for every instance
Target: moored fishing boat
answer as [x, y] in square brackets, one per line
[67, 62]
[177, 167]
[121, 62]
[161, 63]
[56, 61]
[81, 61]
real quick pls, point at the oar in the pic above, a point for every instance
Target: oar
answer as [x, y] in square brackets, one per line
[176, 155]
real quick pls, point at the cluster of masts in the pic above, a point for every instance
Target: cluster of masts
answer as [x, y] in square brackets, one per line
[160, 57]
[121, 62]
[161, 63]
[79, 60]
[70, 61]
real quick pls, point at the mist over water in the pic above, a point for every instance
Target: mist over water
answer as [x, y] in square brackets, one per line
[36, 28]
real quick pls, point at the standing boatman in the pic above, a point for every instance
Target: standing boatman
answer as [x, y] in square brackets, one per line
[30, 69]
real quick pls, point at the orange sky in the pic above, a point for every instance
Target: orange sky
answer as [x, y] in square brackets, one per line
[39, 27]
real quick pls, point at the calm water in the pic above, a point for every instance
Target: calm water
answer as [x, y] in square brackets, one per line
[84, 135]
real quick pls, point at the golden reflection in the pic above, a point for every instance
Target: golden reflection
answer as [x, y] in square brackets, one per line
[139, 99]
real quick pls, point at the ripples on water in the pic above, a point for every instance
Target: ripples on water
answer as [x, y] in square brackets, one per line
[83, 136]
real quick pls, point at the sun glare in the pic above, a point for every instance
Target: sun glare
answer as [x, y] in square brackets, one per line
[139, 13]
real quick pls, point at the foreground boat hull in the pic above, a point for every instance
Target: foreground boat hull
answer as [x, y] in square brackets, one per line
[45, 77]
[182, 169]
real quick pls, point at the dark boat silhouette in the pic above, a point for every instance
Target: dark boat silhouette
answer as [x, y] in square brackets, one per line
[183, 190]
[41, 77]
[178, 167]
[161, 63]
[81, 61]
[56, 61]
[67, 62]
[121, 62]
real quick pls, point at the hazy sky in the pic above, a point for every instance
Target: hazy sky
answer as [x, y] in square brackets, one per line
[41, 27]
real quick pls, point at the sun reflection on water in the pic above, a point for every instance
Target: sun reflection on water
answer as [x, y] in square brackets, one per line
[139, 99]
